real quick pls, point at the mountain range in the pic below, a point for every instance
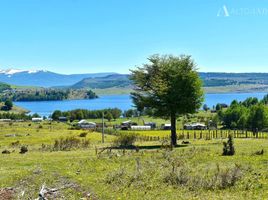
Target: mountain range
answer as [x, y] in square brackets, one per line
[110, 81]
[43, 78]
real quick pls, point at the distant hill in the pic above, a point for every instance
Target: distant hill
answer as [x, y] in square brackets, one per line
[210, 79]
[225, 79]
[42, 78]
[110, 81]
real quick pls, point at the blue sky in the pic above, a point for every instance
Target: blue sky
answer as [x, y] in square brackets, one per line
[84, 36]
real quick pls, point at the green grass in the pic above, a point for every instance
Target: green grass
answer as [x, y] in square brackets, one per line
[129, 174]
[201, 116]
[15, 109]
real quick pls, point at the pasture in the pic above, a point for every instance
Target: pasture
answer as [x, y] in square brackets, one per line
[152, 171]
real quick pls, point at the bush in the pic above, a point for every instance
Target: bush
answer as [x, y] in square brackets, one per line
[23, 149]
[125, 140]
[84, 134]
[14, 144]
[69, 143]
[228, 147]
[258, 153]
[6, 151]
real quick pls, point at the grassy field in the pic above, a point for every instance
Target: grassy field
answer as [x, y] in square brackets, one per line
[201, 116]
[193, 171]
[15, 109]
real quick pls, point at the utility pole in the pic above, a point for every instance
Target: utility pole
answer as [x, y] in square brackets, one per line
[102, 127]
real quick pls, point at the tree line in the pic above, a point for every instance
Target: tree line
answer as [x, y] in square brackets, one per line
[78, 114]
[250, 114]
[17, 116]
[45, 94]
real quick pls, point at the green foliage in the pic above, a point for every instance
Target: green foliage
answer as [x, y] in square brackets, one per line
[125, 140]
[162, 84]
[14, 116]
[235, 117]
[265, 99]
[56, 114]
[258, 117]
[129, 113]
[116, 113]
[218, 107]
[228, 147]
[46, 94]
[8, 104]
[84, 134]
[4, 86]
[108, 116]
[23, 149]
[249, 114]
[79, 114]
[170, 86]
[205, 107]
[66, 144]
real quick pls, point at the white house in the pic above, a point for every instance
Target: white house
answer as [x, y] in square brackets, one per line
[5, 120]
[86, 124]
[140, 127]
[195, 126]
[166, 126]
[37, 119]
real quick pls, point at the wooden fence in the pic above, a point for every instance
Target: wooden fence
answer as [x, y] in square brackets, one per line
[207, 135]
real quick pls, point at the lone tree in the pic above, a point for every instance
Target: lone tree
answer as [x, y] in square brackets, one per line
[168, 85]
[8, 104]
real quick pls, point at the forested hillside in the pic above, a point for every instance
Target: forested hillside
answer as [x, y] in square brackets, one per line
[4, 86]
[42, 94]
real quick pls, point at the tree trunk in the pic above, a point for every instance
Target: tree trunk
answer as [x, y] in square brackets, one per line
[173, 130]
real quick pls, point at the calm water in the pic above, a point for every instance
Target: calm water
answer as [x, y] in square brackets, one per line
[45, 108]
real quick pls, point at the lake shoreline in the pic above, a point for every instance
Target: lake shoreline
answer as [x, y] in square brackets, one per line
[123, 102]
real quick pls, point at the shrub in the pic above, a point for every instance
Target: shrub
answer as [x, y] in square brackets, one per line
[14, 144]
[125, 140]
[178, 176]
[65, 144]
[23, 149]
[84, 134]
[6, 151]
[261, 152]
[228, 147]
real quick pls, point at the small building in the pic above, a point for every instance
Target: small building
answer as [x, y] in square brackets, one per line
[86, 124]
[63, 119]
[37, 119]
[136, 128]
[5, 120]
[151, 124]
[166, 126]
[127, 124]
[195, 126]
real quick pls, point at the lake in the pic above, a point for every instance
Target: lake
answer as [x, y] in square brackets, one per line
[45, 108]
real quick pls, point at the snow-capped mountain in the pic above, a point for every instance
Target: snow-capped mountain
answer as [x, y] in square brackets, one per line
[42, 78]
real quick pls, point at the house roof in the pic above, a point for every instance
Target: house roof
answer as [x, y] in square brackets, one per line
[83, 121]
